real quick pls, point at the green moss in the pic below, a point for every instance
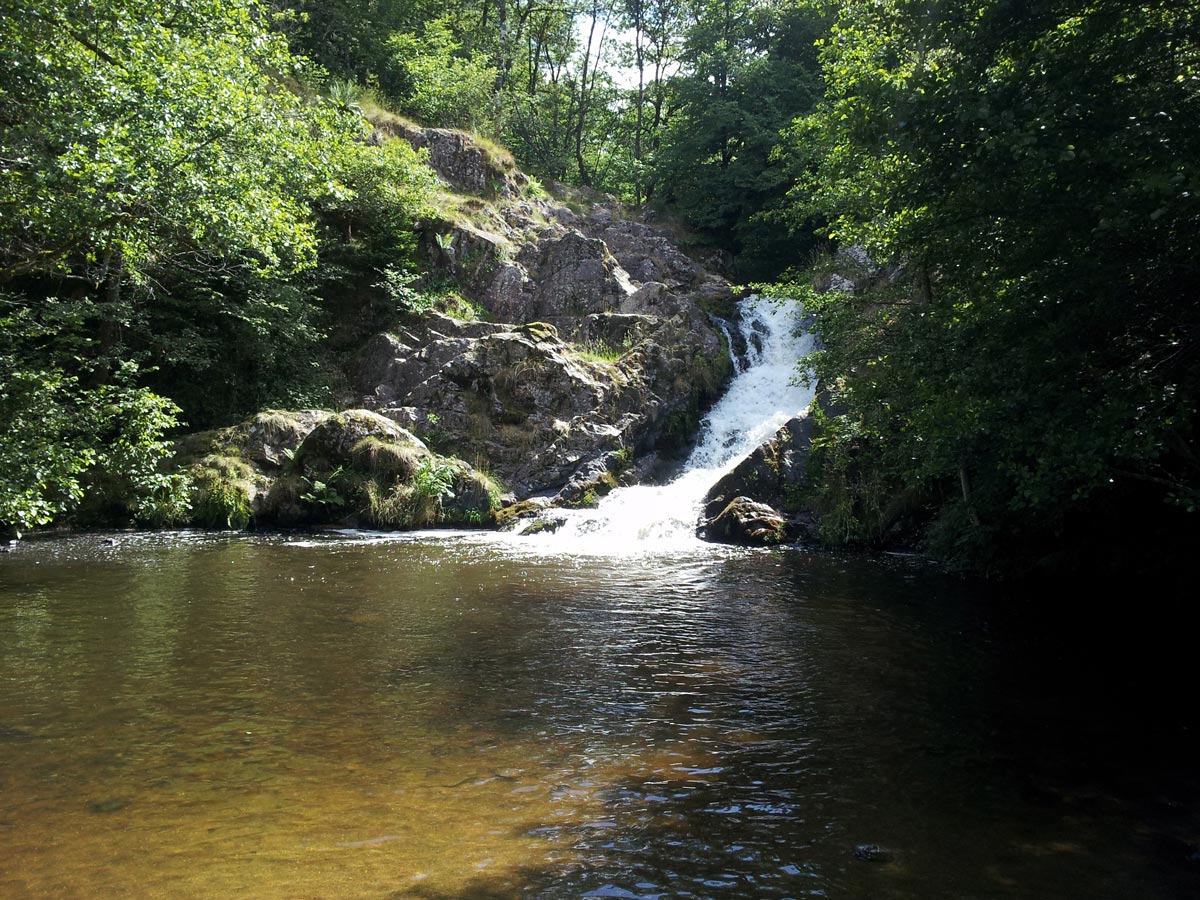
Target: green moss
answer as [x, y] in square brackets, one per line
[221, 491]
[723, 308]
[534, 190]
[602, 351]
[379, 457]
[388, 507]
[522, 510]
[499, 159]
[538, 331]
[541, 526]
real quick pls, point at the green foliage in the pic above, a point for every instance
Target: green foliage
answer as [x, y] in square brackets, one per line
[440, 83]
[397, 284]
[416, 501]
[138, 135]
[322, 491]
[434, 480]
[1027, 188]
[59, 440]
[850, 491]
[602, 351]
[400, 287]
[344, 94]
[42, 456]
[749, 68]
[168, 188]
[220, 493]
[130, 424]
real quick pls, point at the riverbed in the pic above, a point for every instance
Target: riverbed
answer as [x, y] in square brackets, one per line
[466, 716]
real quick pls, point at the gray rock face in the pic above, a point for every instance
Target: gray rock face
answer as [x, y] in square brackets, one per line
[767, 485]
[581, 359]
[571, 276]
[532, 406]
[459, 159]
[646, 254]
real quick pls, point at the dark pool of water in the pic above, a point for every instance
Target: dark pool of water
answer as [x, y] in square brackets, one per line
[192, 716]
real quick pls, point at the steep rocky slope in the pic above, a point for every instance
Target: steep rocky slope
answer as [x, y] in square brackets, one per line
[599, 335]
[597, 350]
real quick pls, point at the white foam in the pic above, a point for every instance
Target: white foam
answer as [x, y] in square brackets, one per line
[761, 397]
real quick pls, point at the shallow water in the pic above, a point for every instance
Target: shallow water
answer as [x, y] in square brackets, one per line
[357, 716]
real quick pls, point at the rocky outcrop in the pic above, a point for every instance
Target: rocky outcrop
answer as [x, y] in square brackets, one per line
[762, 500]
[322, 468]
[580, 358]
[535, 408]
[461, 160]
[581, 375]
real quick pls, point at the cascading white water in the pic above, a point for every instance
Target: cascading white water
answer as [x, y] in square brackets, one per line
[761, 397]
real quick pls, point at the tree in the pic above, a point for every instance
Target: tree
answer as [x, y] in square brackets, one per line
[439, 84]
[139, 134]
[1026, 173]
[748, 69]
[163, 173]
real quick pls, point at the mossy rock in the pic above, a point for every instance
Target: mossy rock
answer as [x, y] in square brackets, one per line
[538, 331]
[543, 526]
[748, 523]
[224, 490]
[332, 443]
[441, 491]
[387, 458]
[525, 509]
[265, 440]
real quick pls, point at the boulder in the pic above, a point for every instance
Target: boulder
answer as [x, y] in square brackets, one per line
[331, 442]
[593, 480]
[746, 522]
[773, 477]
[311, 467]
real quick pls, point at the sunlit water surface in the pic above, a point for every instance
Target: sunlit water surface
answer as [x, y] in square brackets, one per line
[352, 716]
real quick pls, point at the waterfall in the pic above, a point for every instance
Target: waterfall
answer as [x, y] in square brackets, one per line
[761, 397]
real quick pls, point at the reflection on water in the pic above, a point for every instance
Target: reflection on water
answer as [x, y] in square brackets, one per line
[369, 717]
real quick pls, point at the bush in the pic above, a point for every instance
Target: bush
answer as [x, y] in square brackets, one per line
[60, 441]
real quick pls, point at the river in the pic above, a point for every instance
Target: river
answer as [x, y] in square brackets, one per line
[465, 716]
[613, 710]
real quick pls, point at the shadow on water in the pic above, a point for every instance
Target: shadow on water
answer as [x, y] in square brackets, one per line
[418, 718]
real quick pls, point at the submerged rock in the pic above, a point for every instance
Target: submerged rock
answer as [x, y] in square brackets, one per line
[873, 853]
[111, 805]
